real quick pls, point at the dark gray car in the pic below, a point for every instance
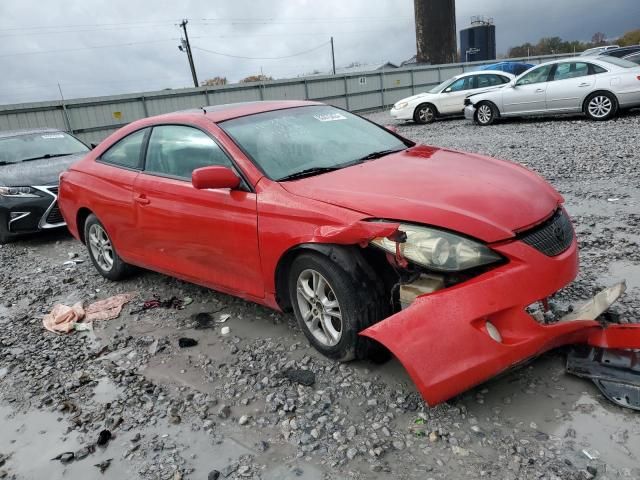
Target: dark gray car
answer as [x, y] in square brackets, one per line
[31, 162]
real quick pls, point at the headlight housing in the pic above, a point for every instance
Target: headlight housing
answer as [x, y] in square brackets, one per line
[438, 250]
[18, 192]
[400, 105]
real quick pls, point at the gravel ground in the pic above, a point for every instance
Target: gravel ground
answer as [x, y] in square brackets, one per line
[226, 408]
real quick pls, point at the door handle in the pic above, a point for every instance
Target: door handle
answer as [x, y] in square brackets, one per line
[142, 200]
[584, 84]
[539, 90]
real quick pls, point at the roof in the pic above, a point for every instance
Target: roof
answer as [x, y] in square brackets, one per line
[26, 131]
[366, 68]
[227, 111]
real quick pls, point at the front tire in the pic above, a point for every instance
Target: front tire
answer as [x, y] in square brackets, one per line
[486, 114]
[424, 113]
[102, 252]
[600, 106]
[330, 308]
[4, 236]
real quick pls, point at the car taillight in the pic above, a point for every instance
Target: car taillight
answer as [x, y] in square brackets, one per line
[638, 77]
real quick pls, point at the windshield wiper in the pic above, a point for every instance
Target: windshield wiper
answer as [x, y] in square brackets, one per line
[381, 153]
[309, 172]
[47, 155]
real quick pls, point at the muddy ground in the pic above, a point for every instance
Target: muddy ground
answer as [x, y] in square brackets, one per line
[225, 409]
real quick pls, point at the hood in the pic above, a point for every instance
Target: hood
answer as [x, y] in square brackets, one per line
[416, 97]
[36, 172]
[478, 196]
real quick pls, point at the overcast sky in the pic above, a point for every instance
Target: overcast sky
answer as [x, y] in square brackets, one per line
[99, 47]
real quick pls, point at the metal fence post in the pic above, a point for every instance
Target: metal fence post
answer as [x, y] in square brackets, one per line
[346, 92]
[144, 106]
[382, 87]
[413, 84]
[306, 90]
[206, 96]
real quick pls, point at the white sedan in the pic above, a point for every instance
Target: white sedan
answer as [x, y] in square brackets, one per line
[598, 86]
[447, 99]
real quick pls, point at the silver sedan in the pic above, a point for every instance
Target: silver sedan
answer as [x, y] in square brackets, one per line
[597, 86]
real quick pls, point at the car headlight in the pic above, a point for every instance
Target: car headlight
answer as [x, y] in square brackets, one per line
[437, 249]
[400, 105]
[20, 192]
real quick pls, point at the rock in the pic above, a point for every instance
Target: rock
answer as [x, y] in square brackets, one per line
[303, 377]
[224, 411]
[461, 452]
[213, 475]
[434, 437]
[244, 419]
[186, 342]
[351, 453]
[398, 444]
[103, 438]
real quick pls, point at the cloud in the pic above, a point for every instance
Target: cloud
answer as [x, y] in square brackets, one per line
[42, 44]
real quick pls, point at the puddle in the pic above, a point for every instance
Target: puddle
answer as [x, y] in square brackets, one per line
[621, 270]
[106, 391]
[32, 439]
[561, 404]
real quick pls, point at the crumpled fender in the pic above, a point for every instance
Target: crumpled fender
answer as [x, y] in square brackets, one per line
[359, 232]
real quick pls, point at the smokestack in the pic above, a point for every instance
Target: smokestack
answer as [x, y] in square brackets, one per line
[436, 31]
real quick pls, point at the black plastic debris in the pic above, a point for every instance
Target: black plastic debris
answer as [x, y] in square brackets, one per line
[213, 475]
[615, 372]
[65, 457]
[103, 438]
[173, 302]
[186, 342]
[203, 320]
[303, 377]
[102, 466]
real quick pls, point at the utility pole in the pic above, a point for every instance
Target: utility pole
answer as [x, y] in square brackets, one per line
[187, 47]
[333, 57]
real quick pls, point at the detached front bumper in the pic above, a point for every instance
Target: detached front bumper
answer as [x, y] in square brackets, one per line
[442, 338]
[470, 112]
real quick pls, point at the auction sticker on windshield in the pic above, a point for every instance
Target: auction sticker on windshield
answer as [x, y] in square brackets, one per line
[53, 135]
[329, 117]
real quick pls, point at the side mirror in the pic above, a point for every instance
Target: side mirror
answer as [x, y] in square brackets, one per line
[391, 128]
[93, 145]
[513, 83]
[214, 177]
[447, 90]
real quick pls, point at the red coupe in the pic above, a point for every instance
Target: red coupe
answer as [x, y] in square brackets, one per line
[369, 238]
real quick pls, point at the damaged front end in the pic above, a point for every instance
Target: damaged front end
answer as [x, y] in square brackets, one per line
[455, 329]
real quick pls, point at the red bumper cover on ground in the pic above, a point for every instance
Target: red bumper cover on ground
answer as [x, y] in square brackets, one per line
[442, 339]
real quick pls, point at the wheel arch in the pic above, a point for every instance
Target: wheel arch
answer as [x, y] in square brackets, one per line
[490, 102]
[81, 218]
[600, 90]
[435, 108]
[347, 257]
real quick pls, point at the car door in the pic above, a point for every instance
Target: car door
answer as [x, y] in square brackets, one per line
[528, 95]
[569, 85]
[453, 96]
[209, 237]
[116, 171]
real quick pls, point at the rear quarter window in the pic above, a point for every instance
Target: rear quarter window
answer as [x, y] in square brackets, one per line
[127, 151]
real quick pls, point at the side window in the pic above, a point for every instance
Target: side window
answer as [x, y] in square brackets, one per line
[565, 71]
[539, 75]
[126, 153]
[502, 79]
[461, 84]
[177, 150]
[490, 80]
[598, 69]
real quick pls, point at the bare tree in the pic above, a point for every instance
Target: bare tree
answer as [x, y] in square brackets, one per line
[213, 82]
[598, 38]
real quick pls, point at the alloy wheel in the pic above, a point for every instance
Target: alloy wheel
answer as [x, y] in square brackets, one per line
[484, 113]
[319, 307]
[425, 114]
[600, 106]
[101, 247]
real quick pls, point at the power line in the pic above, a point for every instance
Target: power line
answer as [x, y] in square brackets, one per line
[128, 44]
[263, 58]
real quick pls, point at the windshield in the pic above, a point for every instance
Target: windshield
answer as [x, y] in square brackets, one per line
[38, 145]
[617, 61]
[314, 139]
[439, 88]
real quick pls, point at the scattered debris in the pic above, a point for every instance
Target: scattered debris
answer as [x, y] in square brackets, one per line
[173, 302]
[66, 457]
[225, 330]
[63, 318]
[213, 475]
[223, 318]
[102, 466]
[103, 438]
[186, 342]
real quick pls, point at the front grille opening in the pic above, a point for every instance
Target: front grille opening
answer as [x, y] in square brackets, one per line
[54, 215]
[552, 237]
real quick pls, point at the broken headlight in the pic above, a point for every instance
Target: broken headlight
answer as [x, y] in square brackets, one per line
[437, 250]
[20, 192]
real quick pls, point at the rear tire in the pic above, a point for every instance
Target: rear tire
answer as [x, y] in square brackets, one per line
[331, 309]
[102, 252]
[486, 114]
[600, 106]
[4, 236]
[424, 113]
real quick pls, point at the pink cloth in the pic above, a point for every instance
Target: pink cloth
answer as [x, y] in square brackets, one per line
[63, 318]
